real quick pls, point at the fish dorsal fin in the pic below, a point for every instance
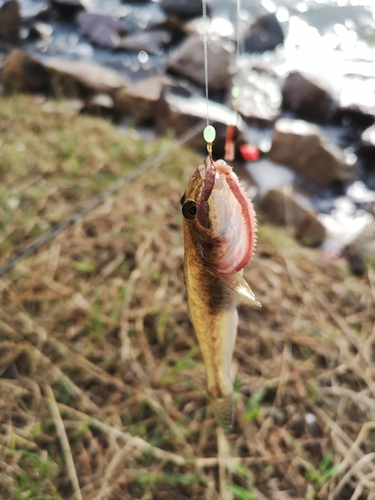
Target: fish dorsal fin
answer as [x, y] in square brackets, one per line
[237, 283]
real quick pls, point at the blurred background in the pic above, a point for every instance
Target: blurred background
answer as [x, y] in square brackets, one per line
[95, 340]
[309, 60]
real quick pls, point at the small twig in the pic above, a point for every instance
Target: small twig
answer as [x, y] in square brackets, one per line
[284, 374]
[134, 441]
[358, 466]
[347, 393]
[176, 431]
[234, 461]
[340, 321]
[61, 432]
[354, 450]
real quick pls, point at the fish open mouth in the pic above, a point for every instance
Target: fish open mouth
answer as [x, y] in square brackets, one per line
[225, 209]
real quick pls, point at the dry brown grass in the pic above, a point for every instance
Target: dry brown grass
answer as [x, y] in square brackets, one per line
[98, 360]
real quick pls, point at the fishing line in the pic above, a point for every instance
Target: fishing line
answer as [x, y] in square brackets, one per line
[236, 89]
[205, 43]
[209, 132]
[239, 38]
[100, 198]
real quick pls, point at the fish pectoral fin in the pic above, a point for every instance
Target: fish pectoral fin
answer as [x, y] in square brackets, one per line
[223, 411]
[237, 283]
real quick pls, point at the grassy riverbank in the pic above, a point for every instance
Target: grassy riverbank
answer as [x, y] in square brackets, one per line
[95, 339]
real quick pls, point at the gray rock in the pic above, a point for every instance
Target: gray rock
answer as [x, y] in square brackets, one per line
[264, 34]
[10, 21]
[102, 101]
[99, 104]
[286, 207]
[259, 99]
[90, 75]
[184, 9]
[71, 3]
[141, 99]
[150, 41]
[361, 251]
[24, 72]
[188, 61]
[306, 96]
[179, 113]
[302, 147]
[101, 29]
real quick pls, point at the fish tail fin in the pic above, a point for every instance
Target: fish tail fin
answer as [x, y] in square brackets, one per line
[223, 411]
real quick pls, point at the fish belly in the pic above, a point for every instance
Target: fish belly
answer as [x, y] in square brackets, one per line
[216, 330]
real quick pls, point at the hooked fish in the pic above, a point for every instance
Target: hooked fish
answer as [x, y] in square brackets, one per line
[219, 239]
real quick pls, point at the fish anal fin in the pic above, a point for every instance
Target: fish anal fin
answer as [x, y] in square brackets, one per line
[223, 411]
[237, 283]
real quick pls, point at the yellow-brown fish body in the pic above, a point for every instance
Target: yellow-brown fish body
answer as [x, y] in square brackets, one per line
[212, 308]
[219, 238]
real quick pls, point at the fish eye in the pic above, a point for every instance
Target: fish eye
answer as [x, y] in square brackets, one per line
[189, 210]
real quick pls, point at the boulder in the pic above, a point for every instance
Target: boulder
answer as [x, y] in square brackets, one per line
[361, 251]
[149, 41]
[24, 72]
[302, 147]
[90, 75]
[10, 21]
[103, 101]
[100, 104]
[141, 99]
[188, 61]
[264, 34]
[259, 100]
[179, 113]
[184, 9]
[286, 207]
[102, 30]
[28, 73]
[80, 4]
[306, 96]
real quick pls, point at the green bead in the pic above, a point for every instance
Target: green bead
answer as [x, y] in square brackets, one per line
[209, 133]
[235, 91]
